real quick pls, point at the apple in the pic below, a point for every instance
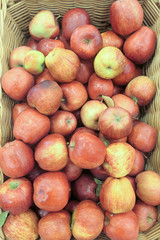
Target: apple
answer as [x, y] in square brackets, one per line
[86, 41]
[119, 159]
[117, 89]
[47, 45]
[138, 71]
[147, 215]
[32, 43]
[107, 141]
[126, 16]
[86, 150]
[122, 226]
[35, 172]
[110, 38]
[30, 126]
[63, 64]
[22, 226]
[72, 171]
[55, 225]
[51, 152]
[117, 195]
[41, 213]
[90, 113]
[77, 115]
[109, 62]
[127, 75]
[85, 71]
[74, 96]
[97, 87]
[123, 101]
[16, 159]
[16, 58]
[45, 75]
[34, 62]
[132, 181]
[64, 40]
[141, 89]
[45, 97]
[71, 205]
[72, 19]
[63, 122]
[17, 109]
[84, 188]
[115, 122]
[85, 129]
[44, 25]
[140, 46]
[87, 220]
[148, 190]
[99, 172]
[143, 136]
[139, 164]
[16, 195]
[16, 83]
[51, 191]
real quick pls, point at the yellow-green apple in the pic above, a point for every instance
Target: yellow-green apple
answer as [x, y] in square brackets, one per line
[72, 171]
[141, 89]
[63, 64]
[132, 181]
[16, 83]
[72, 19]
[143, 136]
[74, 96]
[115, 122]
[21, 227]
[32, 43]
[51, 191]
[45, 75]
[16, 195]
[87, 220]
[34, 62]
[139, 164]
[63, 122]
[90, 113]
[47, 45]
[122, 226]
[133, 49]
[55, 225]
[45, 97]
[44, 25]
[86, 150]
[16, 58]
[51, 152]
[109, 62]
[85, 71]
[117, 195]
[17, 109]
[126, 16]
[123, 101]
[110, 38]
[16, 159]
[147, 215]
[148, 189]
[127, 75]
[119, 159]
[86, 41]
[98, 86]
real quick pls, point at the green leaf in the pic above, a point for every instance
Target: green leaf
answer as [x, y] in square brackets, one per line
[3, 217]
[99, 185]
[97, 181]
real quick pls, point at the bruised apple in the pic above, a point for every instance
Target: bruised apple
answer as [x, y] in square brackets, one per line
[117, 195]
[86, 150]
[87, 220]
[51, 152]
[72, 171]
[110, 38]
[63, 64]
[47, 45]
[45, 97]
[55, 226]
[17, 109]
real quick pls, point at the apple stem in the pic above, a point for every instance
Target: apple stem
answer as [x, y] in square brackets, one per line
[135, 100]
[63, 100]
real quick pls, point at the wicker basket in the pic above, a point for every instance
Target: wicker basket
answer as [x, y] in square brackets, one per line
[14, 19]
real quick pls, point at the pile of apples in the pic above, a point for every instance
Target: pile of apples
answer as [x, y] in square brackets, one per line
[80, 146]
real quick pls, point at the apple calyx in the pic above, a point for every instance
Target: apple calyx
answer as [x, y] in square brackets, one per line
[73, 219]
[108, 101]
[63, 100]
[99, 185]
[14, 185]
[86, 41]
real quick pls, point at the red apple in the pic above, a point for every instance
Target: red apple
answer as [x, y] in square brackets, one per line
[17, 109]
[65, 41]
[126, 16]
[63, 122]
[140, 46]
[107, 141]
[45, 75]
[117, 89]
[16, 58]
[41, 212]
[146, 214]
[123, 226]
[138, 71]
[86, 41]
[32, 43]
[78, 117]
[98, 86]
[16, 159]
[110, 38]
[47, 45]
[74, 96]
[99, 172]
[16, 195]
[138, 164]
[86, 150]
[35, 172]
[85, 129]
[72, 171]
[72, 19]
[71, 205]
[85, 71]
